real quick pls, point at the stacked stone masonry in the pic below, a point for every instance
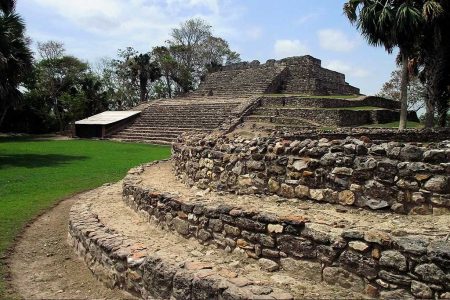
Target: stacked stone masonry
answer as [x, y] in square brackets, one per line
[302, 75]
[121, 262]
[316, 111]
[392, 266]
[401, 177]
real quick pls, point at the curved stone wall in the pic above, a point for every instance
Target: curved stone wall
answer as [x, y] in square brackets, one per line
[400, 177]
[120, 262]
[394, 265]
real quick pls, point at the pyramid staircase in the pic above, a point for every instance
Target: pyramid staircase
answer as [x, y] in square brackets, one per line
[220, 98]
[164, 121]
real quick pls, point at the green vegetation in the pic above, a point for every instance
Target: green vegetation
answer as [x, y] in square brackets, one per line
[394, 125]
[34, 175]
[315, 96]
[356, 108]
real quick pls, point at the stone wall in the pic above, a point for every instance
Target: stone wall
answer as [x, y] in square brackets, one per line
[305, 75]
[329, 102]
[400, 177]
[361, 258]
[120, 262]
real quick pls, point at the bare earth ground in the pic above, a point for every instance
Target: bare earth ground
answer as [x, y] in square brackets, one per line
[44, 266]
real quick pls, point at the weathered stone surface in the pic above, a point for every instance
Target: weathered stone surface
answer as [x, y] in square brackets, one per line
[412, 244]
[215, 225]
[268, 265]
[376, 236]
[396, 294]
[335, 275]
[438, 184]
[411, 153]
[182, 285]
[181, 226]
[297, 247]
[287, 191]
[302, 191]
[393, 259]
[311, 270]
[358, 246]
[275, 228]
[359, 263]
[231, 230]
[431, 273]
[394, 278]
[377, 204]
[300, 165]
[274, 186]
[421, 290]
[439, 252]
[347, 197]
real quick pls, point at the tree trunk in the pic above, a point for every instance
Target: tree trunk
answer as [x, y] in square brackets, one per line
[442, 109]
[169, 88]
[429, 113]
[2, 118]
[143, 88]
[404, 93]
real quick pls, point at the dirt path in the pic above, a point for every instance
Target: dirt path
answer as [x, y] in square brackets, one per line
[43, 266]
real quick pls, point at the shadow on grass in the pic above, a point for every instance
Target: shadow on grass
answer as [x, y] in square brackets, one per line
[36, 160]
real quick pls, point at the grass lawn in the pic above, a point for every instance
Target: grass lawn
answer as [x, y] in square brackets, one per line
[36, 174]
[394, 125]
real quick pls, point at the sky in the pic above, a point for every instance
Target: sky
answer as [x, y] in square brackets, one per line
[257, 29]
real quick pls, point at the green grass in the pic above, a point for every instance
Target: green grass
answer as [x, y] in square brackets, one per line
[394, 125]
[34, 175]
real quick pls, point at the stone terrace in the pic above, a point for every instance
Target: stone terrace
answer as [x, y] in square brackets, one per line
[225, 95]
[286, 111]
[163, 121]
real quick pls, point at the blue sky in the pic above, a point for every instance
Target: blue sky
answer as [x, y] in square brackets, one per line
[257, 29]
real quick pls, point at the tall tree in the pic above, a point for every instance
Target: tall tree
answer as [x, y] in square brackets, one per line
[393, 23]
[416, 90]
[58, 79]
[196, 50]
[15, 57]
[144, 70]
[434, 54]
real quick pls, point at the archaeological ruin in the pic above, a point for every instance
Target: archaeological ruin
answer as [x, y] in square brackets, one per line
[275, 190]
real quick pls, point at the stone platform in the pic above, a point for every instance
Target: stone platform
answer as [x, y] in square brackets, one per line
[147, 258]
[377, 253]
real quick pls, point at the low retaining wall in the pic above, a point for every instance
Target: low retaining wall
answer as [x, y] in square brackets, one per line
[380, 263]
[120, 262]
[401, 177]
[328, 102]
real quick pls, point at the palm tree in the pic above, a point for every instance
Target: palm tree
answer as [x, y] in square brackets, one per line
[15, 56]
[144, 69]
[434, 54]
[393, 23]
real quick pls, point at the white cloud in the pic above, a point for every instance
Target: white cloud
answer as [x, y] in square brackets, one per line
[286, 48]
[306, 18]
[254, 32]
[336, 40]
[347, 69]
[113, 24]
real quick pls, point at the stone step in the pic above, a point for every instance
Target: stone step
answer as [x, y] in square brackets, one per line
[147, 135]
[163, 141]
[126, 252]
[280, 120]
[375, 252]
[194, 125]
